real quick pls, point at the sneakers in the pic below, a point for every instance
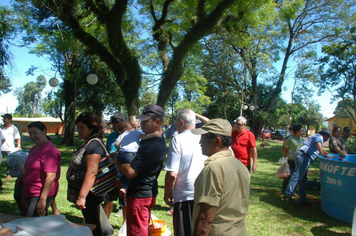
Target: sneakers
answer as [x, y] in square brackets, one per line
[289, 200]
[119, 213]
[306, 204]
[122, 192]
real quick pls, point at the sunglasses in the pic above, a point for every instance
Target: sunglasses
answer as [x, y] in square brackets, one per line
[238, 124]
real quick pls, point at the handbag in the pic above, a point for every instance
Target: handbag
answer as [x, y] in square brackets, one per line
[107, 173]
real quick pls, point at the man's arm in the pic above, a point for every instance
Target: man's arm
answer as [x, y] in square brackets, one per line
[202, 118]
[204, 219]
[321, 151]
[18, 144]
[127, 170]
[254, 158]
[169, 183]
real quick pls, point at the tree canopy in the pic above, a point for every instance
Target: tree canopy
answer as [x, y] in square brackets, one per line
[338, 71]
[7, 31]
[167, 30]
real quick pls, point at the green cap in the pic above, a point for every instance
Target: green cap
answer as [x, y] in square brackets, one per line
[347, 129]
[215, 126]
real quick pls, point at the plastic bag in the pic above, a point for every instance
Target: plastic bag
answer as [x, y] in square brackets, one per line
[283, 172]
[283, 160]
[105, 223]
[122, 231]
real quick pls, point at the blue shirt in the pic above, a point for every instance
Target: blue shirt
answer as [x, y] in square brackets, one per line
[110, 142]
[309, 146]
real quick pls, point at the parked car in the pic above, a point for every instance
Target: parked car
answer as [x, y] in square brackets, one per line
[279, 134]
[266, 133]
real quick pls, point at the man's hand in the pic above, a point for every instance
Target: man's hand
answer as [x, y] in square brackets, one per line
[80, 203]
[168, 198]
[254, 168]
[325, 154]
[41, 205]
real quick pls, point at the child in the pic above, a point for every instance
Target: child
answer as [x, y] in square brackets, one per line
[127, 145]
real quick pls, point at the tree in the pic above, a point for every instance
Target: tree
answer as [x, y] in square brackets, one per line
[6, 32]
[311, 117]
[304, 23]
[29, 97]
[70, 59]
[342, 107]
[338, 71]
[174, 35]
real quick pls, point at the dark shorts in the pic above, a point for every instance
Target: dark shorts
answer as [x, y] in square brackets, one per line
[111, 196]
[182, 218]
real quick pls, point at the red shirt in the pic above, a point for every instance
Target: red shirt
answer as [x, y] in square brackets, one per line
[242, 143]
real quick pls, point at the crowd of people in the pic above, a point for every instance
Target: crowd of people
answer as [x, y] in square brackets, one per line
[207, 180]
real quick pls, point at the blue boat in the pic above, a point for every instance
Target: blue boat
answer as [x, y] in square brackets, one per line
[338, 186]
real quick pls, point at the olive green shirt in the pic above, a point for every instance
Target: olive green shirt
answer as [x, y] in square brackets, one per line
[224, 183]
[350, 143]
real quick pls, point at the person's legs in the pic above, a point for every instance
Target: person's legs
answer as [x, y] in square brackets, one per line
[108, 207]
[92, 213]
[303, 171]
[182, 218]
[5, 155]
[138, 215]
[109, 199]
[19, 194]
[294, 177]
[1, 187]
[286, 181]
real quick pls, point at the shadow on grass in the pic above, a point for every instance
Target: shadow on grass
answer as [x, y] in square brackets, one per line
[9, 207]
[312, 213]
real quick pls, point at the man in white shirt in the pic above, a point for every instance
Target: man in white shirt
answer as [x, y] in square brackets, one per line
[184, 163]
[11, 134]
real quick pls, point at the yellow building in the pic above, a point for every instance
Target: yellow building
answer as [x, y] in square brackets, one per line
[342, 122]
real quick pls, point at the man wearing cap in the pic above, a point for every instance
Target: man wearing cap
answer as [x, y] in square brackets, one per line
[304, 157]
[349, 140]
[143, 172]
[222, 188]
[184, 163]
[11, 134]
[113, 195]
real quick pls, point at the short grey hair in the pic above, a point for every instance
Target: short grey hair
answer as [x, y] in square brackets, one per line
[187, 115]
[242, 119]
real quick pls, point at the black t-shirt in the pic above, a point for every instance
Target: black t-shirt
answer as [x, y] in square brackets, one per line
[95, 147]
[148, 164]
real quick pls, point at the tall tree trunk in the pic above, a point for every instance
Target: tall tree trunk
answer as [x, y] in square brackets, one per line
[69, 117]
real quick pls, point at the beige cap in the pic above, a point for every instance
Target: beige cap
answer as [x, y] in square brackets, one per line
[215, 126]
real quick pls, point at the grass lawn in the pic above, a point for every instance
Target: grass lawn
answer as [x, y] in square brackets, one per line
[267, 215]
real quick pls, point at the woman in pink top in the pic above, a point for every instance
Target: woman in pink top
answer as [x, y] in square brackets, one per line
[42, 171]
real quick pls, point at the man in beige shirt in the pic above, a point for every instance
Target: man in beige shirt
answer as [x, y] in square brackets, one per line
[222, 188]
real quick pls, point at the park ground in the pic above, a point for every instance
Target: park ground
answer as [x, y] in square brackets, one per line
[268, 214]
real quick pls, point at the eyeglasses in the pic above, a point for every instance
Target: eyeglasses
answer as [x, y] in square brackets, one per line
[239, 124]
